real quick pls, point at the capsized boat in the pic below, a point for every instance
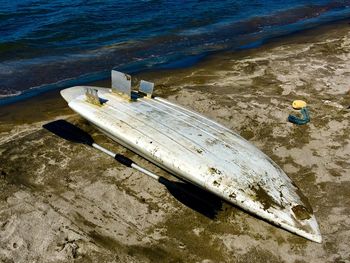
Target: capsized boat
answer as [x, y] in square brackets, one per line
[196, 149]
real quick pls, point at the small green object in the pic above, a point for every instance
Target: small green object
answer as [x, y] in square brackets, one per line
[300, 121]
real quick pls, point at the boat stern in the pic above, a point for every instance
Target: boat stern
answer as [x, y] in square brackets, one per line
[72, 93]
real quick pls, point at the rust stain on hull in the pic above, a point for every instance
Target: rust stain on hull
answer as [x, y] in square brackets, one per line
[263, 197]
[301, 212]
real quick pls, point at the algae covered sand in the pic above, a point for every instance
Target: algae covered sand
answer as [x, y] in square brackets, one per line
[64, 202]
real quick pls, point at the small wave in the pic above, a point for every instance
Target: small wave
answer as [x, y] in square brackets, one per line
[15, 96]
[257, 23]
[9, 93]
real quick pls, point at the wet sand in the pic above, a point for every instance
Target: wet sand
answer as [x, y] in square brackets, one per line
[64, 202]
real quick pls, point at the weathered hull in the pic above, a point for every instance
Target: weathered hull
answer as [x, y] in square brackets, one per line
[202, 152]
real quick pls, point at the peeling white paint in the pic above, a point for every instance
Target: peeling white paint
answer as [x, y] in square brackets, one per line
[202, 152]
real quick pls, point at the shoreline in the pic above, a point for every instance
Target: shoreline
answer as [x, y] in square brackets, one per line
[97, 77]
[88, 208]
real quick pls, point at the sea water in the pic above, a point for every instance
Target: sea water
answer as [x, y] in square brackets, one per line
[54, 44]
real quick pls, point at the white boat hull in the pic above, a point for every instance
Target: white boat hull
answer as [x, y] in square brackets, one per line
[202, 152]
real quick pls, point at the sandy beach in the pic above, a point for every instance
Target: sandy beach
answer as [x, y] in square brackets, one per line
[64, 202]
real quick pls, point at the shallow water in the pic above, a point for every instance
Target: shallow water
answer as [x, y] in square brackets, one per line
[61, 43]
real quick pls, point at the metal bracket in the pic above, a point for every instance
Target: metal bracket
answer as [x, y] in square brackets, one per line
[146, 87]
[92, 97]
[121, 83]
